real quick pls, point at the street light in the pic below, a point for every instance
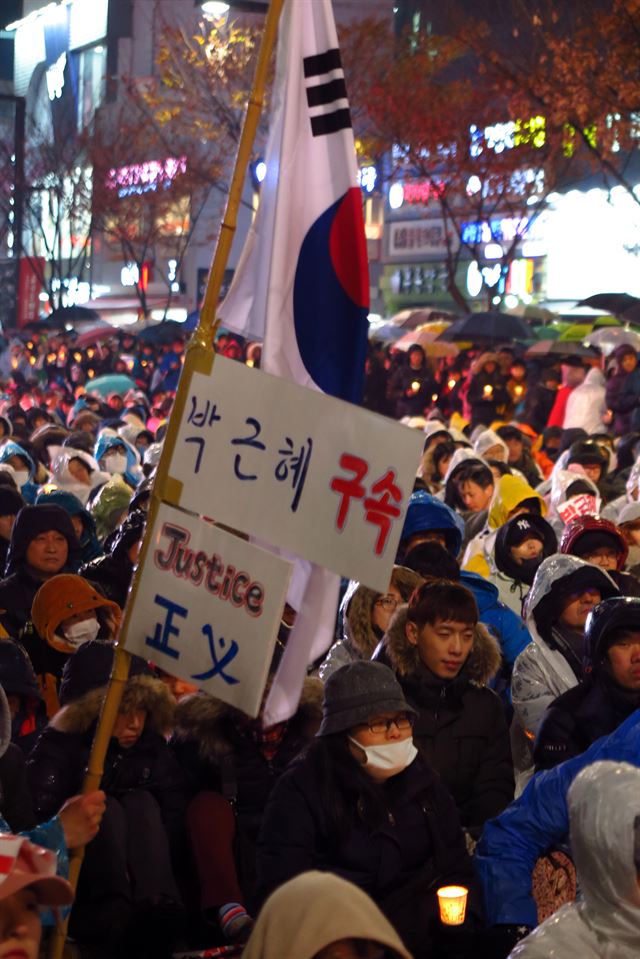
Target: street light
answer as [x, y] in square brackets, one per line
[218, 8]
[214, 8]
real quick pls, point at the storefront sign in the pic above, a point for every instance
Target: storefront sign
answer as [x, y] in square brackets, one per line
[420, 238]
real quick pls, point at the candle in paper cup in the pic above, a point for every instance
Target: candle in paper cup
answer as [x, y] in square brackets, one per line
[453, 904]
[415, 386]
[488, 389]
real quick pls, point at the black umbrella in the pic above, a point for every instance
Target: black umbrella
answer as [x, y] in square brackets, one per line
[491, 327]
[616, 303]
[559, 348]
[163, 332]
[69, 316]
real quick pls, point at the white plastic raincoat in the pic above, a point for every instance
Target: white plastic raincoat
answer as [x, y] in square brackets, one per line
[586, 405]
[604, 802]
[540, 673]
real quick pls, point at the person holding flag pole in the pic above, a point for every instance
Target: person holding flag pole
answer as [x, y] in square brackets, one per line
[199, 358]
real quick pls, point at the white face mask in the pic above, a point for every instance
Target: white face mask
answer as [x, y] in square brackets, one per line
[389, 759]
[84, 632]
[22, 477]
[116, 463]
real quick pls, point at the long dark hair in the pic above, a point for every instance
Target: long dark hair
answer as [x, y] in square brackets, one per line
[346, 791]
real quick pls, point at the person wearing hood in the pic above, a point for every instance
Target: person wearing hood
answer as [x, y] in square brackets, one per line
[623, 389]
[604, 822]
[490, 446]
[586, 406]
[365, 616]
[521, 544]
[364, 804]
[67, 612]
[109, 506]
[232, 764]
[589, 455]
[513, 496]
[81, 519]
[74, 471]
[469, 488]
[610, 691]
[412, 385]
[23, 467]
[629, 526]
[572, 494]
[444, 658]
[116, 457]
[599, 541]
[533, 824]
[429, 519]
[565, 589]
[435, 463]
[114, 571]
[520, 457]
[320, 916]
[127, 881]
[43, 543]
[46, 442]
[26, 704]
[11, 502]
[487, 395]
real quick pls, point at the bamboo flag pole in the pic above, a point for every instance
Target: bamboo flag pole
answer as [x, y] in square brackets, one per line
[199, 358]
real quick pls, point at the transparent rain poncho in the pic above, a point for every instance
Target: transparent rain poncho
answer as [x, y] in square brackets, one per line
[604, 804]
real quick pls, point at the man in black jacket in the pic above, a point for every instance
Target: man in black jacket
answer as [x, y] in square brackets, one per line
[609, 693]
[443, 658]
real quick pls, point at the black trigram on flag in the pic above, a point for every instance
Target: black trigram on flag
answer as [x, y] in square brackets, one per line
[327, 98]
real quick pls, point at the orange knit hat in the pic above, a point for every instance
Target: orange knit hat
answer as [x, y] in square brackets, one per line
[59, 598]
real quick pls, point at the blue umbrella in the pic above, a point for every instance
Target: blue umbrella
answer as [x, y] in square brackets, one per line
[111, 383]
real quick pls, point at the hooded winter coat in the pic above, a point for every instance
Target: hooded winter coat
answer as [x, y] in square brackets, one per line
[536, 822]
[603, 807]
[511, 580]
[63, 480]
[399, 861]
[90, 548]
[110, 503]
[313, 911]
[545, 670]
[586, 405]
[17, 678]
[29, 488]
[11, 502]
[359, 635]
[216, 753]
[460, 730]
[57, 763]
[511, 491]
[19, 587]
[16, 806]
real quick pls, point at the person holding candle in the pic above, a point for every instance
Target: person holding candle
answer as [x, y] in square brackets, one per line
[413, 385]
[365, 805]
[487, 395]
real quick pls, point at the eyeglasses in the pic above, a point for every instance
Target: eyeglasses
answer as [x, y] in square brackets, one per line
[388, 602]
[402, 722]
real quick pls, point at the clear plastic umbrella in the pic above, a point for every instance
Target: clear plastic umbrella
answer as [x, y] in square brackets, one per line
[610, 337]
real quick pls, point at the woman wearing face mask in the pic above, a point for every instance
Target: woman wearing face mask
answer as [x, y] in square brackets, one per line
[67, 612]
[117, 457]
[363, 805]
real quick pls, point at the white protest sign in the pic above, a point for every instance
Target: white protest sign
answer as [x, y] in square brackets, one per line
[295, 468]
[208, 608]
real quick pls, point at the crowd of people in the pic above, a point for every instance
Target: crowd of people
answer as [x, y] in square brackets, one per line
[475, 725]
